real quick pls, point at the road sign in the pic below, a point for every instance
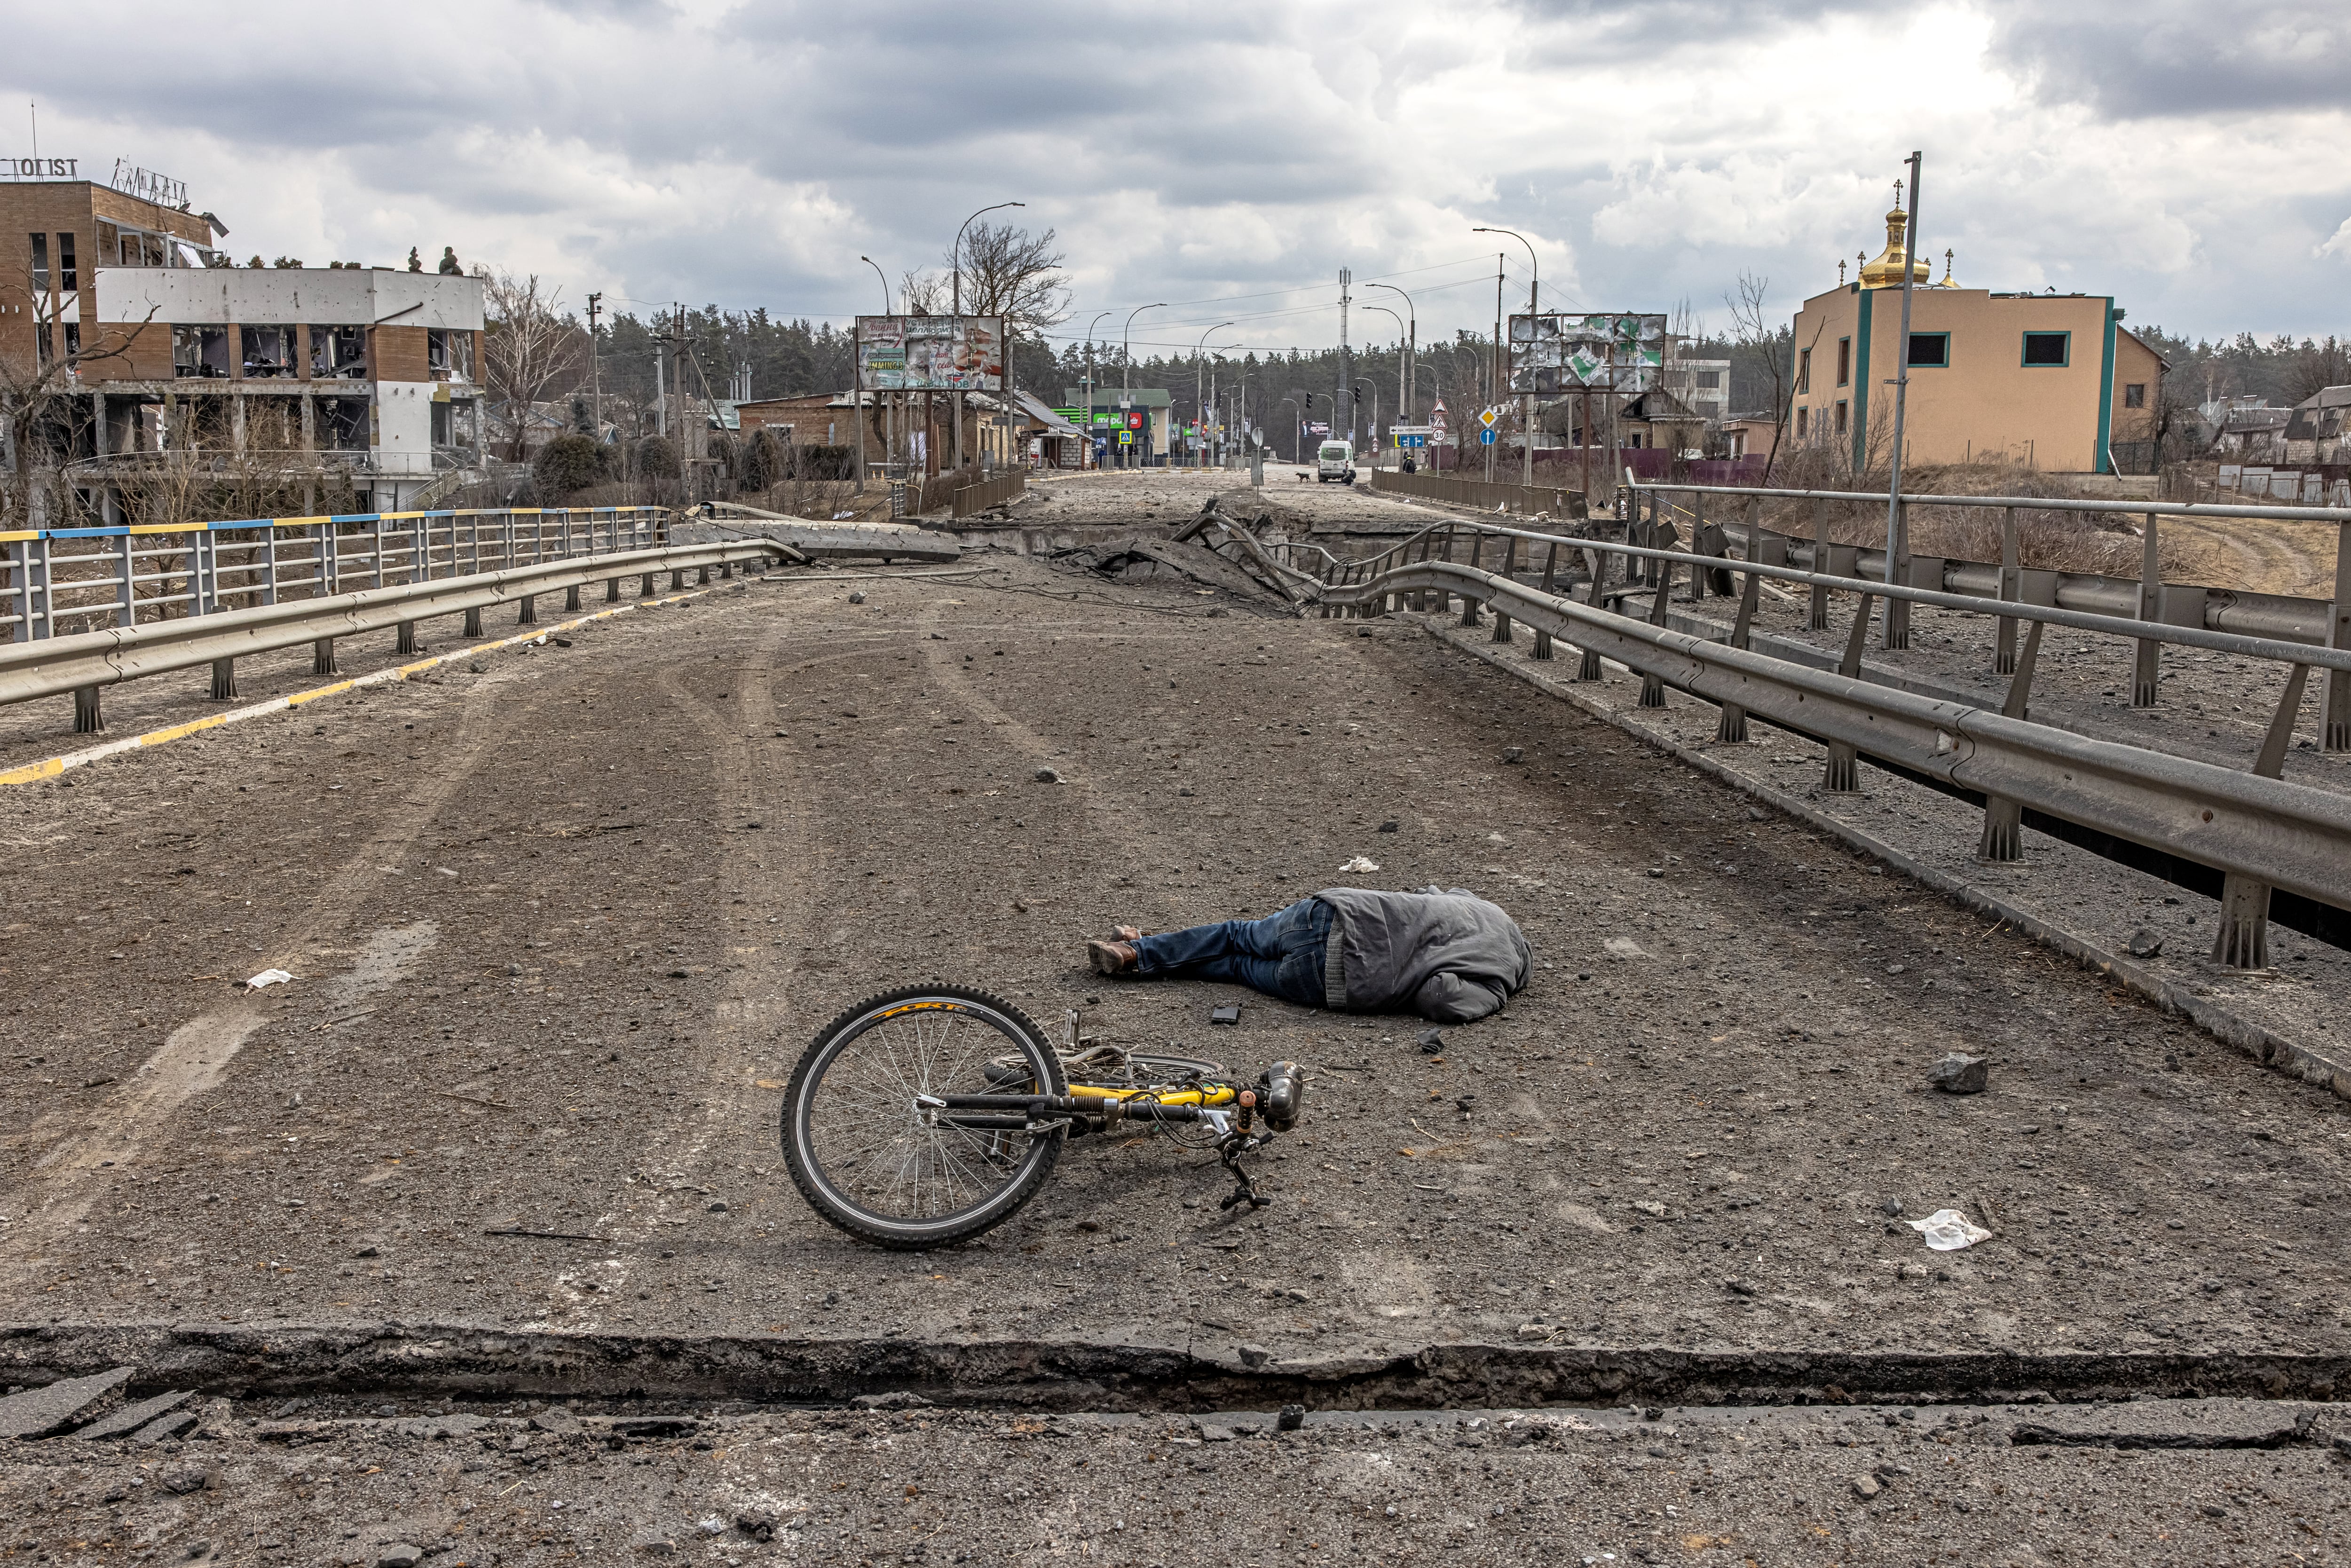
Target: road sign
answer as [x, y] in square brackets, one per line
[1413, 429]
[1485, 438]
[1409, 438]
[1487, 416]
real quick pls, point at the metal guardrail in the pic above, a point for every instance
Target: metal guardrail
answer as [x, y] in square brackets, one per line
[1560, 501]
[56, 581]
[2148, 597]
[2257, 832]
[85, 663]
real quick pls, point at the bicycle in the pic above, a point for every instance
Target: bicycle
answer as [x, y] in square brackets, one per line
[930, 1113]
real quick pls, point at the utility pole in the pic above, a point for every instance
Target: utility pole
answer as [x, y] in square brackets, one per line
[1897, 613]
[1494, 364]
[595, 373]
[1346, 393]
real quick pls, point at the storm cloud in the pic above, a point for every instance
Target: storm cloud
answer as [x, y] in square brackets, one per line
[1230, 158]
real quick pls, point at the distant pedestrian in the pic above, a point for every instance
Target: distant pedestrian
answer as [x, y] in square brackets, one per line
[449, 268]
[415, 262]
[1445, 954]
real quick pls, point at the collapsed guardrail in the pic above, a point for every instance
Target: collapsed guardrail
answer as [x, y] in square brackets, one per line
[87, 663]
[2264, 840]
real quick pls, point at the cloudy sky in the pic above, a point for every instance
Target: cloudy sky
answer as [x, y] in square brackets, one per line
[1229, 158]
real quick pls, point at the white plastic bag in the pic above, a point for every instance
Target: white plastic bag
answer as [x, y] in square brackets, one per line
[1947, 1230]
[267, 978]
[1361, 863]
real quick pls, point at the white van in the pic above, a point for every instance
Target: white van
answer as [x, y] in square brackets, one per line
[1335, 460]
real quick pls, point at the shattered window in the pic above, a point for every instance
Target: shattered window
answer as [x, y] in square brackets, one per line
[449, 354]
[68, 277]
[109, 239]
[343, 423]
[339, 351]
[200, 350]
[40, 264]
[267, 351]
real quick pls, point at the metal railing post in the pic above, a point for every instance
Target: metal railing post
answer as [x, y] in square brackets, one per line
[1818, 620]
[1469, 616]
[1550, 564]
[473, 622]
[2012, 589]
[527, 609]
[2242, 941]
[125, 606]
[2003, 823]
[1653, 687]
[1698, 546]
[2147, 661]
[571, 600]
[1730, 728]
[1897, 570]
[2336, 707]
[1844, 773]
[1509, 563]
[1588, 668]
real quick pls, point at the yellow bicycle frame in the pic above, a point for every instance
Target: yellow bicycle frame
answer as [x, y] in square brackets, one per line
[1214, 1094]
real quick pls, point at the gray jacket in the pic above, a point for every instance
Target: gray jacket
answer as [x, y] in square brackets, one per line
[1447, 955]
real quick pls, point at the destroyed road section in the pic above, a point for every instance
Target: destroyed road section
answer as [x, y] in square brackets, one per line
[560, 929]
[534, 1482]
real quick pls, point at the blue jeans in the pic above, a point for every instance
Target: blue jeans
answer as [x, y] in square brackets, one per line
[1280, 955]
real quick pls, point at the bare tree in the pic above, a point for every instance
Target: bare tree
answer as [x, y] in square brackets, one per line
[1764, 346]
[1012, 273]
[44, 415]
[2316, 367]
[530, 347]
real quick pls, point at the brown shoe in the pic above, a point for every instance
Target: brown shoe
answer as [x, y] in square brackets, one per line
[1128, 932]
[1111, 958]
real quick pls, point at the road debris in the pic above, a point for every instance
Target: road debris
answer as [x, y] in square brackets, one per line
[267, 978]
[1949, 1231]
[1959, 1074]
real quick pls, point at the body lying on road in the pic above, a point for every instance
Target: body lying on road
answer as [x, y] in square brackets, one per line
[1443, 953]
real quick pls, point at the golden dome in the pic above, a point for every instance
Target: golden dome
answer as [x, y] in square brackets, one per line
[1947, 282]
[1886, 272]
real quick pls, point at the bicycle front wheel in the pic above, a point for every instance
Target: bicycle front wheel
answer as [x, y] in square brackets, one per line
[871, 1159]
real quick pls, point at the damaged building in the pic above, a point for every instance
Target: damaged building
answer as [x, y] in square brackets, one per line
[152, 360]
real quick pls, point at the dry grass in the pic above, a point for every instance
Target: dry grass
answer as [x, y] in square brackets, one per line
[2051, 541]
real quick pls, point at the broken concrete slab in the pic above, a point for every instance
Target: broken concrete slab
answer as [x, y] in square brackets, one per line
[39, 1412]
[130, 1417]
[2170, 1424]
[1137, 559]
[826, 540]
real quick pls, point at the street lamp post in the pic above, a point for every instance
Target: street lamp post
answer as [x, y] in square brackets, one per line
[1297, 430]
[1090, 379]
[1126, 360]
[1408, 400]
[889, 408]
[1199, 351]
[1535, 306]
[1367, 381]
[1400, 406]
[956, 327]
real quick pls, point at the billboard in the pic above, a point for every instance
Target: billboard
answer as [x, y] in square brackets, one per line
[1615, 351]
[930, 353]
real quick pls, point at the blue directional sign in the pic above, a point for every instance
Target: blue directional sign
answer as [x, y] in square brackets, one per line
[1485, 438]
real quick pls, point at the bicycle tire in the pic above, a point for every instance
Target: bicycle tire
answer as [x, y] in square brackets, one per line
[819, 1126]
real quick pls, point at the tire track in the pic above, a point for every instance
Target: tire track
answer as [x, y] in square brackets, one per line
[196, 1057]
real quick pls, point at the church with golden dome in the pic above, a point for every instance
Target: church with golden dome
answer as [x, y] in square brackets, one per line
[2050, 380]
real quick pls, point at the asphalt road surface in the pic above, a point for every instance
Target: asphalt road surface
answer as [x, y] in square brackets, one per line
[559, 929]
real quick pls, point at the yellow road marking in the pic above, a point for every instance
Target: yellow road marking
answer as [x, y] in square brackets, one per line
[51, 767]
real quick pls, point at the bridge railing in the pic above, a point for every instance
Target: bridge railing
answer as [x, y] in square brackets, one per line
[56, 582]
[2259, 843]
[85, 662]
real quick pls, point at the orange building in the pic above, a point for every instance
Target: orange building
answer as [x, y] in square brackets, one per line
[2050, 380]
